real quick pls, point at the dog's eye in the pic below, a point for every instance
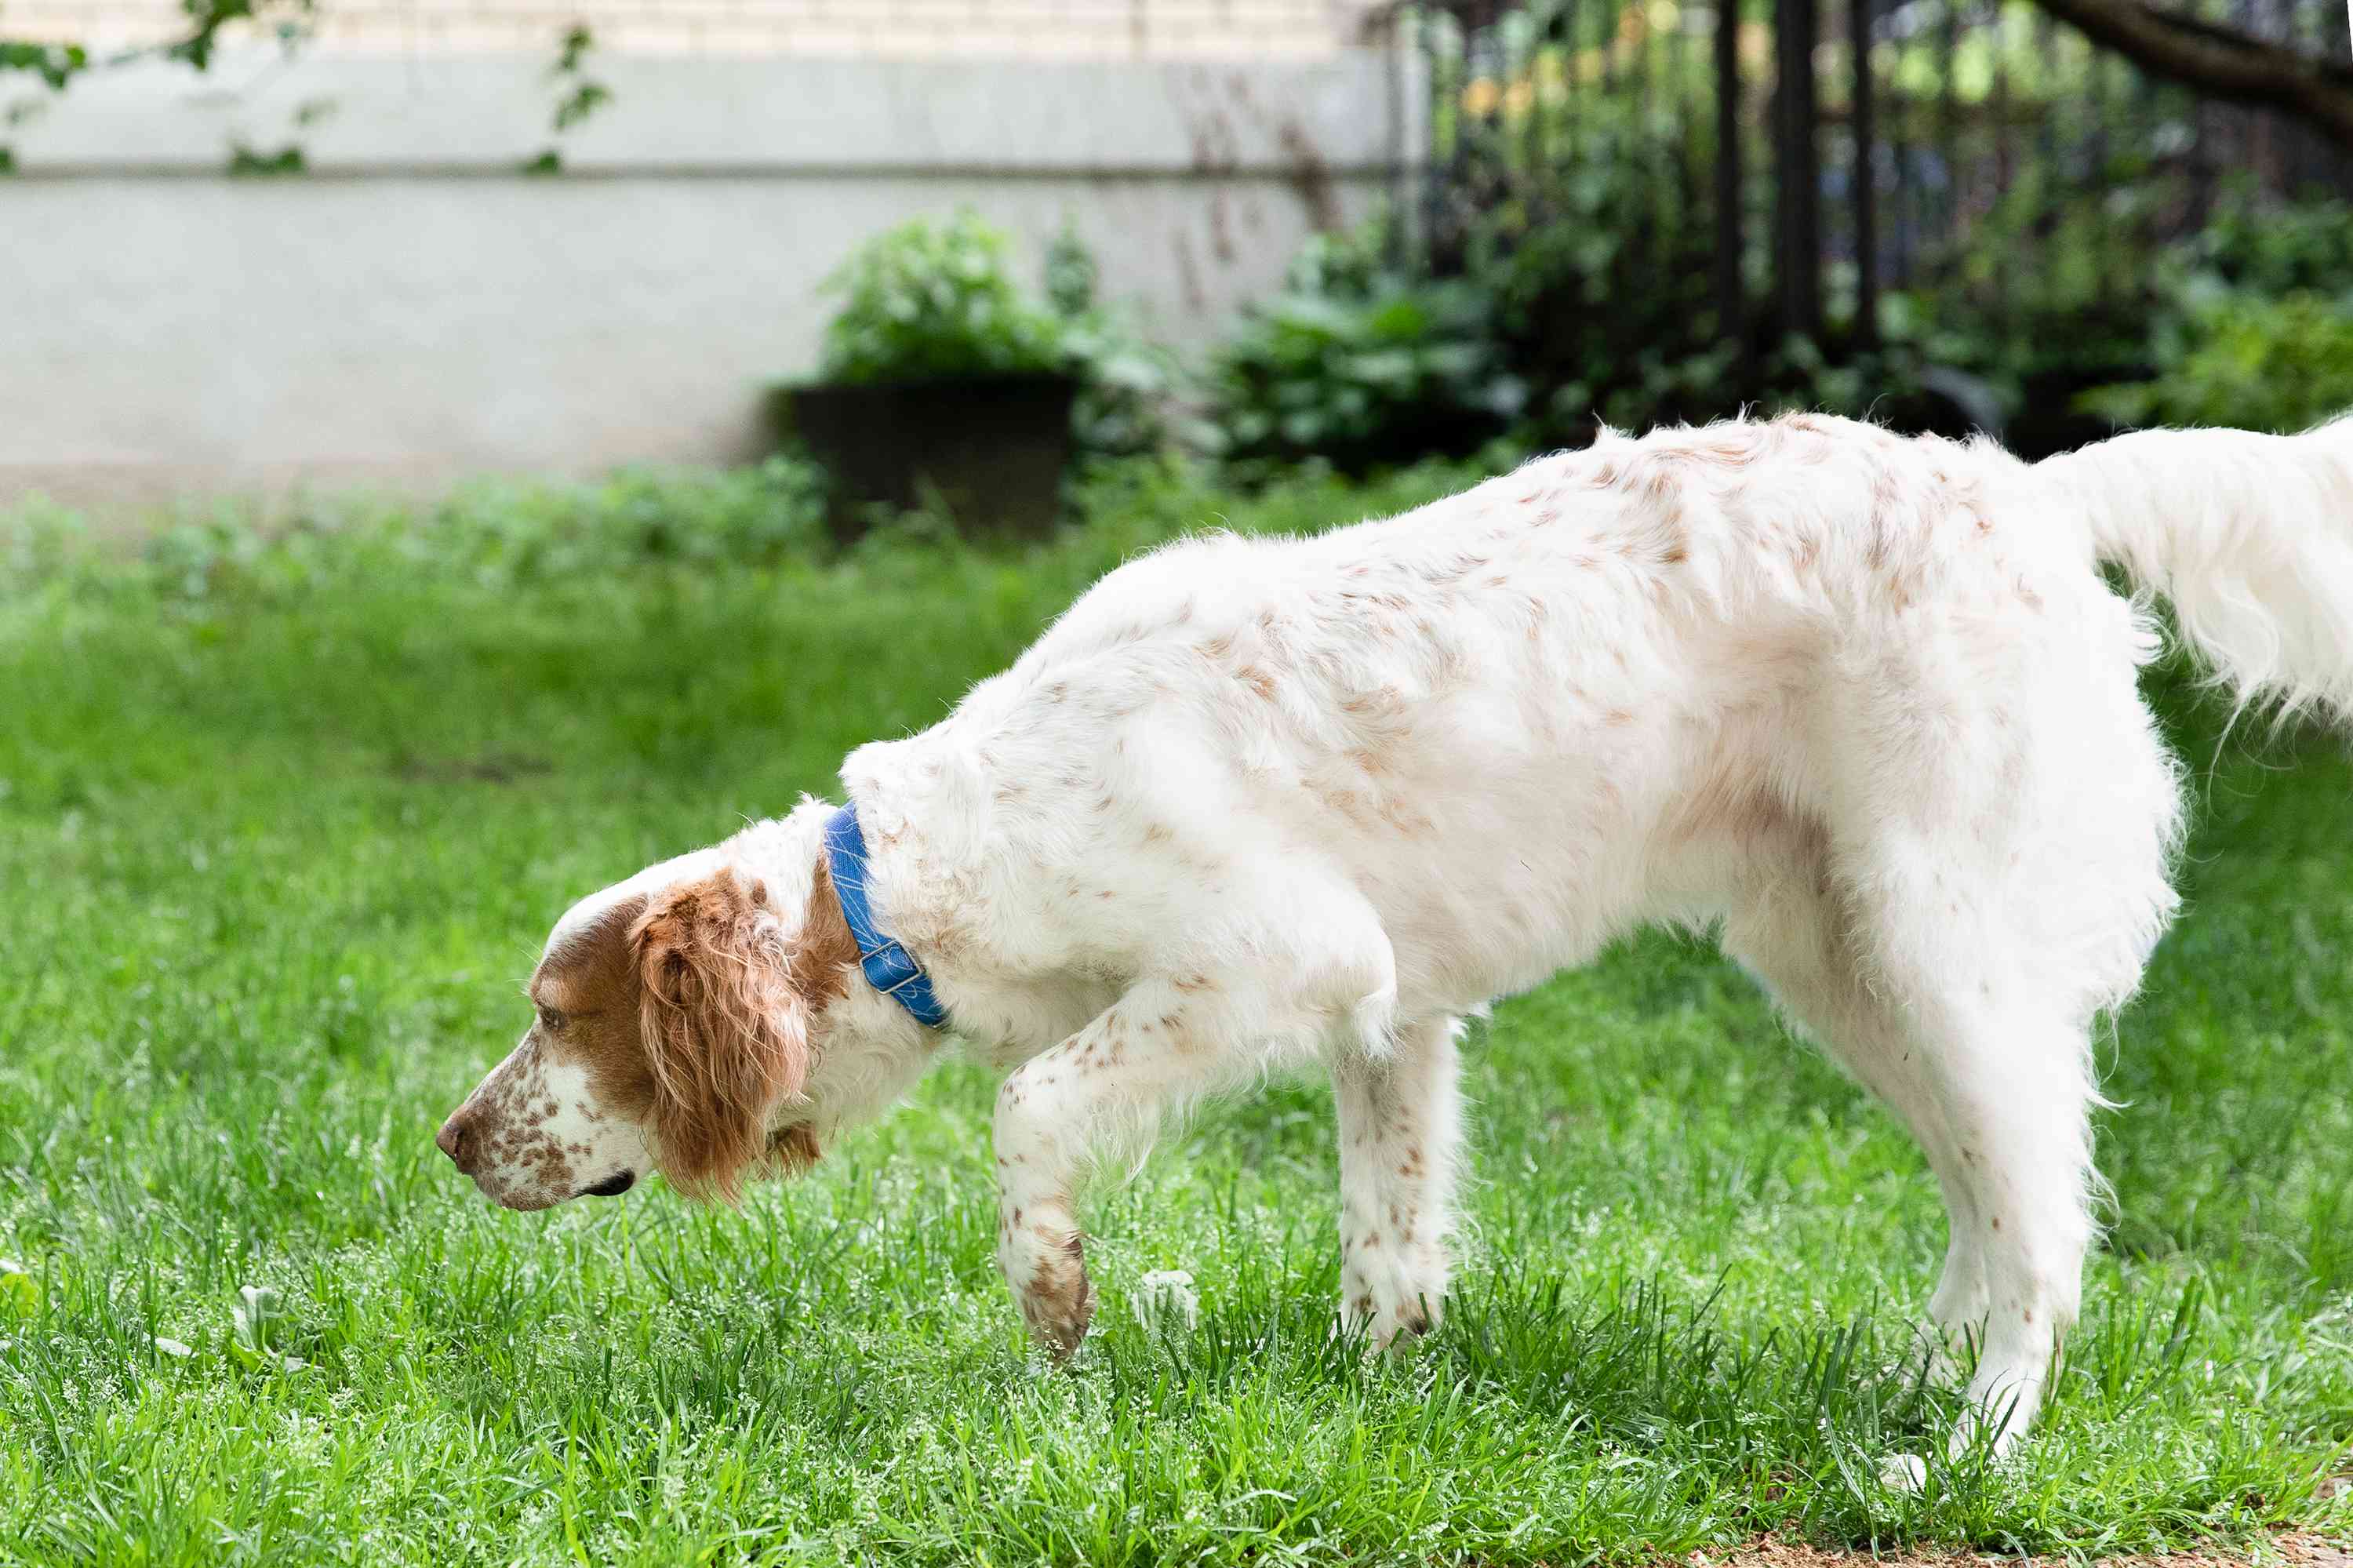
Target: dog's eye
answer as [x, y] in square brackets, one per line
[550, 1020]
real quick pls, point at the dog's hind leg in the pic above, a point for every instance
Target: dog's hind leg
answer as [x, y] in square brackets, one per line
[1793, 933]
[1996, 1089]
[1401, 1132]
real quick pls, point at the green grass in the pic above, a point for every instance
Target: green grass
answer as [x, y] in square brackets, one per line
[282, 826]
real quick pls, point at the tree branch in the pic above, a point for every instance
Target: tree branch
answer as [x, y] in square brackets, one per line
[2221, 62]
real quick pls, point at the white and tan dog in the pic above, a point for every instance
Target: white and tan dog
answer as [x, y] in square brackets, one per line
[1864, 705]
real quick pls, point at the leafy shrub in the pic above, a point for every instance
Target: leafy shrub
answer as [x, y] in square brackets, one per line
[937, 301]
[2239, 358]
[2250, 321]
[2270, 247]
[1360, 367]
[928, 301]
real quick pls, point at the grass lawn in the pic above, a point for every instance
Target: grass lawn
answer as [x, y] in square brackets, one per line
[281, 828]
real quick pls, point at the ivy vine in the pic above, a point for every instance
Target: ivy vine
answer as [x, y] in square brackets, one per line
[291, 22]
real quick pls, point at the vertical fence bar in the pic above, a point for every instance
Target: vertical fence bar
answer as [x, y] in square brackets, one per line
[1572, 104]
[1949, 125]
[1730, 312]
[2048, 160]
[1865, 178]
[1900, 137]
[1685, 145]
[1436, 241]
[1533, 176]
[1798, 190]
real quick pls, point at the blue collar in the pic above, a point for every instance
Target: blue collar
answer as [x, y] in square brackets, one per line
[889, 968]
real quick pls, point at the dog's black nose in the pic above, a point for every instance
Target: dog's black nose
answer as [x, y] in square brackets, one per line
[612, 1186]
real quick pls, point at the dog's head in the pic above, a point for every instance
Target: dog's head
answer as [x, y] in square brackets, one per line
[675, 1018]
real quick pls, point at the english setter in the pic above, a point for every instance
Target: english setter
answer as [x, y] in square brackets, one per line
[1864, 705]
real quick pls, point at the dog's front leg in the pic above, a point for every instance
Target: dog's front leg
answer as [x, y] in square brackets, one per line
[1400, 1123]
[1158, 1045]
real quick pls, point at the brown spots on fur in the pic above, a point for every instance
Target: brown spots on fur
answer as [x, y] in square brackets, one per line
[1059, 1300]
[1257, 680]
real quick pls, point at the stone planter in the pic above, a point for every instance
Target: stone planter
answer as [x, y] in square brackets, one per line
[994, 450]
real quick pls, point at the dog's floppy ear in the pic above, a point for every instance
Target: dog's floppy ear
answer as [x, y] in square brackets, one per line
[724, 1028]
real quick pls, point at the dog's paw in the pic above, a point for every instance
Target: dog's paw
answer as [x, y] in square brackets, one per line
[1048, 1273]
[1391, 1299]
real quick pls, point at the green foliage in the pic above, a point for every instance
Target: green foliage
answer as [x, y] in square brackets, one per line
[2238, 358]
[1360, 367]
[1124, 381]
[578, 97]
[283, 815]
[2251, 323]
[493, 534]
[287, 18]
[2035, 306]
[1604, 279]
[936, 300]
[289, 22]
[55, 64]
[2265, 247]
[247, 163]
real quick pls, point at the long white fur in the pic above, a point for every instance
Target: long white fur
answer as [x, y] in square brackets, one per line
[1864, 705]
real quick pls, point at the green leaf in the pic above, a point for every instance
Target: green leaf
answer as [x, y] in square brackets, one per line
[20, 1293]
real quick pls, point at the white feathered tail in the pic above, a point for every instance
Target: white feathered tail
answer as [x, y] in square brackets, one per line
[2249, 536]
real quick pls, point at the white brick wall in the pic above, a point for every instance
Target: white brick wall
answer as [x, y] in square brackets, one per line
[904, 30]
[413, 309]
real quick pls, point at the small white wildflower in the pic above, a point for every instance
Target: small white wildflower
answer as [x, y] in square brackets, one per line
[1166, 1293]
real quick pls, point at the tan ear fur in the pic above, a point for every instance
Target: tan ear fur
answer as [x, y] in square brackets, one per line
[724, 1028]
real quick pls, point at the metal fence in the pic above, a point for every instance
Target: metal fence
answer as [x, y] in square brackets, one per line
[1749, 159]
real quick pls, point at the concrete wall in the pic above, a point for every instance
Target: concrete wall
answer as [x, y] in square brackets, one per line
[413, 310]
